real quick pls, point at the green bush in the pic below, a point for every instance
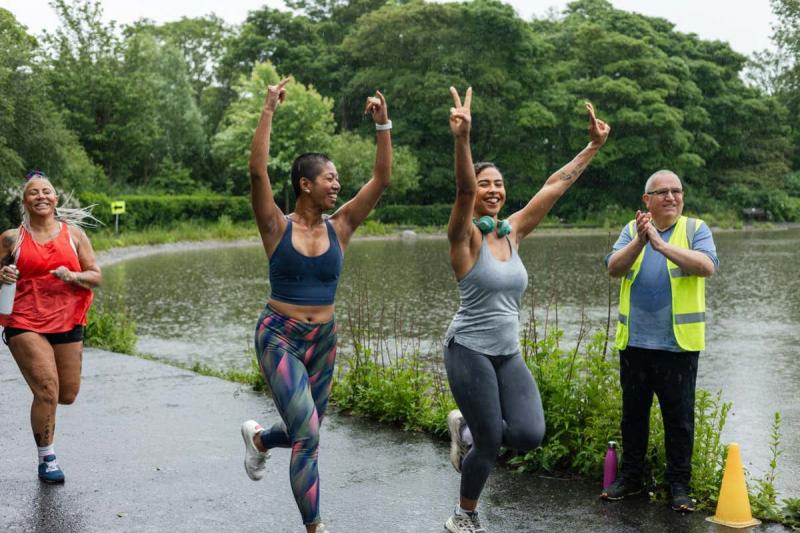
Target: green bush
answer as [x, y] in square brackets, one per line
[777, 203]
[144, 211]
[112, 330]
[402, 393]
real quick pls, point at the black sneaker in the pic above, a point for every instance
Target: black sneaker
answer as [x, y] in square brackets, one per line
[680, 500]
[621, 488]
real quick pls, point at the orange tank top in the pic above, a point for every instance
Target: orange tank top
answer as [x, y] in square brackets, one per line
[44, 303]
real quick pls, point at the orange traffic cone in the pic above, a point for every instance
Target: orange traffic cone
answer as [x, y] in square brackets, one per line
[733, 506]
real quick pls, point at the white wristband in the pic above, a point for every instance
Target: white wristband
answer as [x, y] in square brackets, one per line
[383, 127]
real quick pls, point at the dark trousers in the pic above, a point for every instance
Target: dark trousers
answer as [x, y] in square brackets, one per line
[672, 376]
[500, 402]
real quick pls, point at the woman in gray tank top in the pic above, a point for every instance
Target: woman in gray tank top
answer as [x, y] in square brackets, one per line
[499, 403]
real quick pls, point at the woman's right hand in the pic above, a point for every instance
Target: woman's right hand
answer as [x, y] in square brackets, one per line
[460, 116]
[276, 94]
[8, 274]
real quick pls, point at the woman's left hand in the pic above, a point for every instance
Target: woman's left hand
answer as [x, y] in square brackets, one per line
[65, 274]
[598, 130]
[376, 106]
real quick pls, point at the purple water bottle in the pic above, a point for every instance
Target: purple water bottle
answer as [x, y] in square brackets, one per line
[610, 465]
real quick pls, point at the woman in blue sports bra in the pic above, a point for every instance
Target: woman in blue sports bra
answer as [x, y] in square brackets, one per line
[296, 333]
[499, 403]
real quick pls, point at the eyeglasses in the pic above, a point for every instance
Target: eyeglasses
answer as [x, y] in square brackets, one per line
[662, 193]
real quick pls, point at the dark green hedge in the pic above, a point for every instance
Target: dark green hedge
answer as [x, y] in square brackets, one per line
[417, 215]
[142, 211]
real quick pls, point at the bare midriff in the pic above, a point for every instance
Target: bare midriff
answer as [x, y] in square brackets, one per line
[312, 314]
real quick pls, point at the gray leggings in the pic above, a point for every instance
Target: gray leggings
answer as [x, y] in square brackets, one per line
[500, 402]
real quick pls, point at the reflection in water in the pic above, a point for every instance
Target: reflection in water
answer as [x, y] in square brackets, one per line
[201, 306]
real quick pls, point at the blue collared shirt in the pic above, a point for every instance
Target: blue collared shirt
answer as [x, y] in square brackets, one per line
[651, 293]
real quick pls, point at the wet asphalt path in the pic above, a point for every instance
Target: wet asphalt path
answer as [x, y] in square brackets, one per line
[151, 448]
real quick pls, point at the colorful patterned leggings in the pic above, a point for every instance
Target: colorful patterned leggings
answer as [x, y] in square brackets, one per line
[297, 359]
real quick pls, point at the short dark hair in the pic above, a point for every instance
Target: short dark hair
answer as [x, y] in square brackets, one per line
[308, 165]
[483, 165]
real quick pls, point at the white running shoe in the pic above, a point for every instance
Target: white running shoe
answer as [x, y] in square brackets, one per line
[321, 528]
[463, 523]
[254, 460]
[458, 448]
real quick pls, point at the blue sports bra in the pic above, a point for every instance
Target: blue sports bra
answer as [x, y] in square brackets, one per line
[302, 280]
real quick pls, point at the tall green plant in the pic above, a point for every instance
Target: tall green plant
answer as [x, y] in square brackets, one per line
[111, 329]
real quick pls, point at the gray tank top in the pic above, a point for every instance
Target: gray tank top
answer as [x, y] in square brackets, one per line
[491, 294]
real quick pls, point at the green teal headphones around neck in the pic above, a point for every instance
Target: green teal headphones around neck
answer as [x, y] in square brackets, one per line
[486, 225]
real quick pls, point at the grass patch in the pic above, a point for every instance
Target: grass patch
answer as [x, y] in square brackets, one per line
[222, 229]
[110, 328]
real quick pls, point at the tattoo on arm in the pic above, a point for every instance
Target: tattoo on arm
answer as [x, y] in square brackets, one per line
[574, 173]
[9, 241]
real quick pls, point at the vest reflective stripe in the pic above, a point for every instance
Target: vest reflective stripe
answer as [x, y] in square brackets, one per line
[690, 318]
[688, 293]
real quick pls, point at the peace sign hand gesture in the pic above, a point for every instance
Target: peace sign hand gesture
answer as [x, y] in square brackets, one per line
[276, 94]
[376, 106]
[598, 130]
[460, 116]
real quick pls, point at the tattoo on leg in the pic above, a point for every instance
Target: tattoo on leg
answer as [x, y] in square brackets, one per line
[44, 438]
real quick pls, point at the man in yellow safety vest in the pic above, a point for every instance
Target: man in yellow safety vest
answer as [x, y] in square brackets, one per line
[663, 259]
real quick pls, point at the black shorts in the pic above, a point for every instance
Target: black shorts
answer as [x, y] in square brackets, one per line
[66, 337]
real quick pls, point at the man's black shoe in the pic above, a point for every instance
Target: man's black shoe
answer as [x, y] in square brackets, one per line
[680, 500]
[621, 488]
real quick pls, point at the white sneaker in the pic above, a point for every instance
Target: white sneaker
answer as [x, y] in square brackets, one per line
[458, 448]
[321, 528]
[254, 460]
[463, 523]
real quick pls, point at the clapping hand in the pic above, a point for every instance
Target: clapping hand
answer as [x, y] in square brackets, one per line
[642, 224]
[460, 116]
[598, 130]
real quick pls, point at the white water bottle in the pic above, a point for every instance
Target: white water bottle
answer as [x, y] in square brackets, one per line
[7, 293]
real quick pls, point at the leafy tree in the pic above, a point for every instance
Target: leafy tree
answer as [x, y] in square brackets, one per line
[129, 101]
[203, 42]
[304, 123]
[32, 133]
[160, 71]
[673, 101]
[293, 43]
[354, 156]
[112, 118]
[413, 53]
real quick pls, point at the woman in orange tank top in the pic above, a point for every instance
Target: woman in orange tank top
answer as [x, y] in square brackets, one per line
[52, 262]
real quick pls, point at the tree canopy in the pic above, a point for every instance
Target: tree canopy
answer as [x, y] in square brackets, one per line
[173, 106]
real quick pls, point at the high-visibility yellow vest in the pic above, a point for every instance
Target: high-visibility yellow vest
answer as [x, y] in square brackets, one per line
[688, 293]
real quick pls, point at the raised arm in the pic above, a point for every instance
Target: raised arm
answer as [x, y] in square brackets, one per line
[269, 217]
[526, 219]
[459, 228]
[348, 217]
